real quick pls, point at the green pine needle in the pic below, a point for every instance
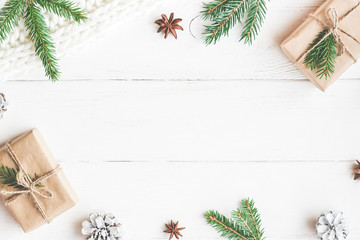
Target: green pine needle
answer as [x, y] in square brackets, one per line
[40, 35]
[248, 217]
[226, 227]
[225, 14]
[36, 25]
[8, 178]
[64, 9]
[255, 19]
[322, 58]
[245, 225]
[213, 8]
[9, 17]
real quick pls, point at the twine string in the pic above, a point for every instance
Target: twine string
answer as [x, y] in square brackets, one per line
[190, 26]
[23, 179]
[334, 29]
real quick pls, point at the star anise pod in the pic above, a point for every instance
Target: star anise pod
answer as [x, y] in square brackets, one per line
[357, 171]
[174, 230]
[169, 25]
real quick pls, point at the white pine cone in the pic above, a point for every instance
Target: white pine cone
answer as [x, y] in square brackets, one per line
[102, 226]
[332, 226]
[3, 105]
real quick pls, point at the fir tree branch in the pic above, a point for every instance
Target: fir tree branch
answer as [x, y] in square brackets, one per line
[229, 13]
[246, 223]
[40, 35]
[249, 207]
[226, 227]
[225, 14]
[36, 25]
[64, 8]
[327, 66]
[9, 17]
[248, 218]
[237, 216]
[255, 18]
[322, 54]
[8, 178]
[213, 8]
[312, 56]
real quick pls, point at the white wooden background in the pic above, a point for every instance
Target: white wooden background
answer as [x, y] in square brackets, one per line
[154, 130]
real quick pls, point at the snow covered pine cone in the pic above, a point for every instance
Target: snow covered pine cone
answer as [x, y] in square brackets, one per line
[332, 226]
[3, 105]
[102, 226]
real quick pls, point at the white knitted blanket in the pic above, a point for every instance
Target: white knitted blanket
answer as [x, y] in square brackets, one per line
[17, 52]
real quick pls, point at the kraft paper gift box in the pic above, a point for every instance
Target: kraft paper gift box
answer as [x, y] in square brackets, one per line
[54, 195]
[295, 45]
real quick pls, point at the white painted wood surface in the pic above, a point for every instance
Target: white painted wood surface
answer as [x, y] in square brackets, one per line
[154, 130]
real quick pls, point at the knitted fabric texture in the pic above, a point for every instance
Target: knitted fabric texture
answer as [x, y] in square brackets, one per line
[17, 53]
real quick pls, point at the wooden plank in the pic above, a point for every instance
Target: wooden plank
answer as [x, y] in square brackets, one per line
[290, 197]
[265, 120]
[133, 49]
[172, 147]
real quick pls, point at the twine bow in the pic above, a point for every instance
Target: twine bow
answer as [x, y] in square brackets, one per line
[333, 26]
[30, 187]
[334, 30]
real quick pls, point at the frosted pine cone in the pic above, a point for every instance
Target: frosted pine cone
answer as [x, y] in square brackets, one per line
[332, 226]
[3, 105]
[102, 226]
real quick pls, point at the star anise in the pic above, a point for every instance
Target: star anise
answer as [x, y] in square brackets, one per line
[357, 171]
[174, 230]
[169, 25]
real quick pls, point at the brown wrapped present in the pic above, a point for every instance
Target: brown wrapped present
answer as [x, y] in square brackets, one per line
[41, 191]
[341, 18]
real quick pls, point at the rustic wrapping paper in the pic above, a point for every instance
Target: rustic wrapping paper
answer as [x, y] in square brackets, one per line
[35, 157]
[297, 43]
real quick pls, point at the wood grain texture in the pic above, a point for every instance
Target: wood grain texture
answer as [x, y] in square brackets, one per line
[154, 130]
[268, 120]
[290, 197]
[133, 49]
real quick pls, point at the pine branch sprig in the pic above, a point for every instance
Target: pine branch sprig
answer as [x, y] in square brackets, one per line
[36, 25]
[244, 225]
[223, 17]
[213, 8]
[9, 17]
[40, 35]
[225, 14]
[226, 227]
[8, 178]
[322, 54]
[64, 9]
[255, 19]
[249, 218]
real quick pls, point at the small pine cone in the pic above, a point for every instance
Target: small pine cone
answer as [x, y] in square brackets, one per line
[332, 226]
[357, 171]
[3, 105]
[102, 226]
